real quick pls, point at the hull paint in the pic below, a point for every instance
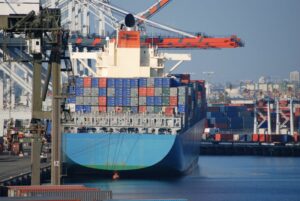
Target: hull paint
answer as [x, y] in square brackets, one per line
[127, 152]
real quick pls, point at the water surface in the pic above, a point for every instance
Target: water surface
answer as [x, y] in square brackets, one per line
[217, 178]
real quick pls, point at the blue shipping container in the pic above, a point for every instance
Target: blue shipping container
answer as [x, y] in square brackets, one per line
[166, 82]
[158, 82]
[126, 92]
[87, 108]
[119, 83]
[157, 100]
[150, 100]
[71, 100]
[79, 81]
[111, 101]
[126, 101]
[126, 83]
[71, 90]
[142, 82]
[181, 108]
[95, 82]
[119, 101]
[102, 91]
[79, 108]
[79, 91]
[111, 82]
[134, 83]
[119, 92]
[134, 109]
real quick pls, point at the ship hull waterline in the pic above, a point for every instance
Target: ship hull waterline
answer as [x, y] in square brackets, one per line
[132, 153]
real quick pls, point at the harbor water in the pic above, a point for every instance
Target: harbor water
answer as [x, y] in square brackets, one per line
[217, 178]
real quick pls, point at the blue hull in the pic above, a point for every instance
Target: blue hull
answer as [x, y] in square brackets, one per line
[133, 152]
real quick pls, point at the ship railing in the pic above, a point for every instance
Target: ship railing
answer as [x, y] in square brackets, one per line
[151, 123]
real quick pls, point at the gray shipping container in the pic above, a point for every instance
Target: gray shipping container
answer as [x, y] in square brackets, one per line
[182, 100]
[126, 109]
[150, 82]
[79, 100]
[158, 91]
[150, 109]
[87, 100]
[173, 91]
[94, 101]
[95, 92]
[134, 92]
[142, 100]
[87, 91]
[95, 109]
[111, 109]
[111, 92]
[134, 101]
[182, 91]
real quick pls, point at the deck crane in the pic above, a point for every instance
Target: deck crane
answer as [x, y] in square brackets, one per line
[133, 36]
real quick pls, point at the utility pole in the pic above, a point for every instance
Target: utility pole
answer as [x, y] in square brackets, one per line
[56, 132]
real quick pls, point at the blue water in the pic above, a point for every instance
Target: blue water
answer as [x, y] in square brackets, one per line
[217, 178]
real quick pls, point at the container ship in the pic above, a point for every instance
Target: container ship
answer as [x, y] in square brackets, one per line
[133, 114]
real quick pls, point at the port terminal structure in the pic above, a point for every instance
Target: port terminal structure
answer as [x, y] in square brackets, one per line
[285, 112]
[38, 37]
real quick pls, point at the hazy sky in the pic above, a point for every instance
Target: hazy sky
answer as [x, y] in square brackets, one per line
[270, 29]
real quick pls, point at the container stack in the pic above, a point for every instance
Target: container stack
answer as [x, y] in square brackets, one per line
[235, 117]
[165, 95]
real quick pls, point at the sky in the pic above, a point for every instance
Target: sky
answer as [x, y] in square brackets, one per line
[269, 28]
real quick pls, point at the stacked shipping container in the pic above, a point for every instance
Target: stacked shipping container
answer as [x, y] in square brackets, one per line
[137, 95]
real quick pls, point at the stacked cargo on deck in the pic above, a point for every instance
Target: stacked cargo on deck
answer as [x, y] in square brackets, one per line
[168, 96]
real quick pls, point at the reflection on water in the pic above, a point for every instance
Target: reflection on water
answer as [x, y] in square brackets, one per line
[216, 178]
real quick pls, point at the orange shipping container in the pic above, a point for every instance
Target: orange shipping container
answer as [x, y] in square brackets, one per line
[169, 111]
[262, 137]
[218, 137]
[102, 100]
[142, 109]
[255, 137]
[173, 100]
[142, 91]
[87, 82]
[102, 108]
[150, 91]
[102, 82]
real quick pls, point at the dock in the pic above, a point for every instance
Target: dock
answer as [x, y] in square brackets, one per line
[16, 170]
[249, 148]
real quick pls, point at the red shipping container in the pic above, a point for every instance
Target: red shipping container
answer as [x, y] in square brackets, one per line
[262, 137]
[102, 82]
[119, 109]
[87, 82]
[173, 100]
[185, 81]
[169, 111]
[102, 108]
[255, 137]
[296, 137]
[142, 91]
[142, 109]
[102, 100]
[150, 91]
[218, 137]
